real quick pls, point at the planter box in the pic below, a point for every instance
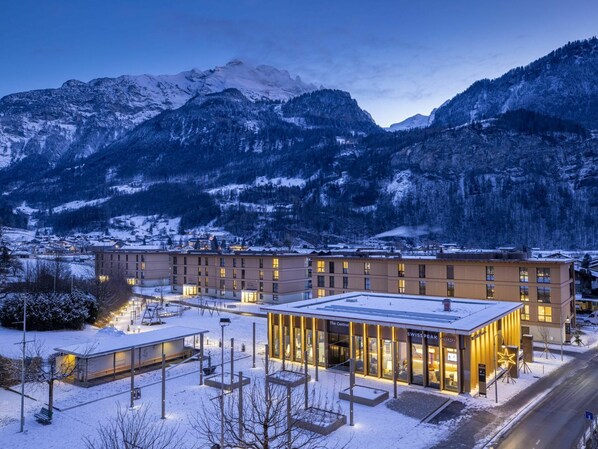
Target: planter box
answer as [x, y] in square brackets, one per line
[316, 420]
[288, 378]
[364, 395]
[214, 381]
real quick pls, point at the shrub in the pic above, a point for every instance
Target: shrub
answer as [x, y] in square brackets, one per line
[49, 311]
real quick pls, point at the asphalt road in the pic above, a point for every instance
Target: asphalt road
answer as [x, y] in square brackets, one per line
[558, 421]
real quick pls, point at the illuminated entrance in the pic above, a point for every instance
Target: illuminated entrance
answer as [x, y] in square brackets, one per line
[248, 296]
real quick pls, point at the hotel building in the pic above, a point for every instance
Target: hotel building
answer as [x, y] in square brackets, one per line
[437, 343]
[245, 276]
[545, 287]
[146, 266]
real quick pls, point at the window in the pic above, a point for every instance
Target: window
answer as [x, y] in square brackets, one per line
[275, 275]
[261, 263]
[184, 269]
[242, 262]
[450, 289]
[330, 267]
[331, 280]
[544, 294]
[422, 287]
[275, 298]
[545, 314]
[489, 291]
[206, 262]
[222, 262]
[185, 260]
[543, 275]
[525, 313]
[450, 272]
[234, 274]
[242, 285]
[345, 267]
[489, 273]
[321, 281]
[173, 259]
[366, 284]
[174, 269]
[321, 266]
[234, 285]
[523, 293]
[523, 274]
[234, 262]
[261, 274]
[261, 286]
[275, 263]
[222, 272]
[401, 270]
[275, 287]
[422, 270]
[345, 281]
[367, 268]
[242, 274]
[401, 285]
[174, 280]
[222, 287]
[321, 293]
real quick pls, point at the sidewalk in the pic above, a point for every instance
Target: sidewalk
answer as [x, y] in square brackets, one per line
[482, 425]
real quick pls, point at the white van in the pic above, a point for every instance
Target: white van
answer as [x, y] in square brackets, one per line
[592, 318]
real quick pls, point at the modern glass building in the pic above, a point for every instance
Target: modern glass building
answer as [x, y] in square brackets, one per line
[437, 343]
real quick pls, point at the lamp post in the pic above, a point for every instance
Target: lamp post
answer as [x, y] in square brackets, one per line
[223, 323]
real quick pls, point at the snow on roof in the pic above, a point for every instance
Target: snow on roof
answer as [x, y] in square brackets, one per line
[417, 312]
[115, 343]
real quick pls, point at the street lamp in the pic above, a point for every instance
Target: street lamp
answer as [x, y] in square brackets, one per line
[223, 323]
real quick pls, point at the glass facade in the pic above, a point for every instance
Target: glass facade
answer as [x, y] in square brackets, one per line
[439, 360]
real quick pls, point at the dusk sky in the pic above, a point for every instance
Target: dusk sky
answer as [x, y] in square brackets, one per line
[397, 58]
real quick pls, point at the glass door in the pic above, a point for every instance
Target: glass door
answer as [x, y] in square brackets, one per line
[433, 367]
[451, 370]
[417, 364]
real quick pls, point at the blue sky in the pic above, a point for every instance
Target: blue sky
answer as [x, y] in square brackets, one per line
[397, 58]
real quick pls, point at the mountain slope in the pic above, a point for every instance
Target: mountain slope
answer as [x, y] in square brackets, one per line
[416, 121]
[563, 83]
[79, 118]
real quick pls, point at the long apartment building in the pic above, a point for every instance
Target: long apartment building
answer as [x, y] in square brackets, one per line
[545, 287]
[246, 276]
[146, 266]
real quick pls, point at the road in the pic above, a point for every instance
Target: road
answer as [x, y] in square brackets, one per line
[557, 422]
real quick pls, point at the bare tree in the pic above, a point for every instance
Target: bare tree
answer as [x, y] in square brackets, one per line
[134, 429]
[263, 420]
[545, 336]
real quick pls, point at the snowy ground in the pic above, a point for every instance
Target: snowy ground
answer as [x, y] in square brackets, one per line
[82, 408]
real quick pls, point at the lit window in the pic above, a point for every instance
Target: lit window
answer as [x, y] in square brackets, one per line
[524, 293]
[545, 314]
[401, 270]
[321, 266]
[489, 291]
[525, 313]
[523, 274]
[261, 275]
[222, 272]
[275, 263]
[401, 285]
[367, 268]
[321, 293]
[543, 275]
[275, 275]
[345, 267]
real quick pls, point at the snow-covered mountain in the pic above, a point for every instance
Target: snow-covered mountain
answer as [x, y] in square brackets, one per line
[563, 84]
[416, 121]
[77, 119]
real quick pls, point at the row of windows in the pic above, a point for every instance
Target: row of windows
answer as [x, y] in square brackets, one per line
[126, 257]
[222, 262]
[223, 284]
[544, 313]
[542, 273]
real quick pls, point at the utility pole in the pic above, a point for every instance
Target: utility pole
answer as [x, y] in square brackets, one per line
[163, 386]
[23, 363]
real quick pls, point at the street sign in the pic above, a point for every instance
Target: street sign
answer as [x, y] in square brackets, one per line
[482, 379]
[589, 416]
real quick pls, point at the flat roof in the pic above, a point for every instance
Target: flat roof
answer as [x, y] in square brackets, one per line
[415, 312]
[115, 343]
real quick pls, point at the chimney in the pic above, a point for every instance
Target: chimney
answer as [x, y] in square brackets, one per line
[446, 302]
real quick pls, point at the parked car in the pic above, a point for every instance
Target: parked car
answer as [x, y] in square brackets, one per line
[592, 318]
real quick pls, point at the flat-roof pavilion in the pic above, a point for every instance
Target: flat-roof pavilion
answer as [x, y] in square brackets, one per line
[423, 340]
